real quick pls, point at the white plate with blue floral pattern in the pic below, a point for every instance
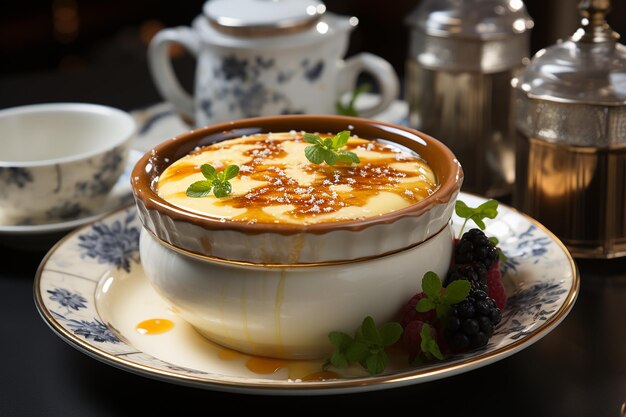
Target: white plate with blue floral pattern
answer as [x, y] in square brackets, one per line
[38, 236]
[90, 289]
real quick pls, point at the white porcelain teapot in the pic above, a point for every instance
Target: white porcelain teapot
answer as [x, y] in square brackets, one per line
[266, 57]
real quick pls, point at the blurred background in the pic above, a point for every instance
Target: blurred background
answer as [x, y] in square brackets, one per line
[61, 50]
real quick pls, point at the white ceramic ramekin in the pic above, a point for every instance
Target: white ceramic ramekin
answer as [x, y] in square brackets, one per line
[288, 311]
[278, 289]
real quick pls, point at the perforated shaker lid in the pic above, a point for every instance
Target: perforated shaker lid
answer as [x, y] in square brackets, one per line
[262, 17]
[589, 67]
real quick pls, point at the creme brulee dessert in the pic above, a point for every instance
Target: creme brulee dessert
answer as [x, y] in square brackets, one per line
[278, 184]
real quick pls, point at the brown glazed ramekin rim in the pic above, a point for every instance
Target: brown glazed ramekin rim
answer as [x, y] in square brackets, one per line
[442, 161]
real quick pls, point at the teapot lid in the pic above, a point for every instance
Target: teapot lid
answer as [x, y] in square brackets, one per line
[250, 18]
[589, 67]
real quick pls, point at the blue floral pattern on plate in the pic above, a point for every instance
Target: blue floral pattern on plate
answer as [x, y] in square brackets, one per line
[116, 243]
[541, 281]
[71, 300]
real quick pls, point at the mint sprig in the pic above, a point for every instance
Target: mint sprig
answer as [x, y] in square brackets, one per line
[428, 345]
[349, 109]
[367, 347]
[488, 209]
[328, 149]
[438, 300]
[218, 182]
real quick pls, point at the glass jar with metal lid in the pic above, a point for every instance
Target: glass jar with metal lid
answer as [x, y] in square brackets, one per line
[462, 57]
[571, 142]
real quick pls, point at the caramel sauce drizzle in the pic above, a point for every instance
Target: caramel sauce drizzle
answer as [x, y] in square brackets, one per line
[365, 180]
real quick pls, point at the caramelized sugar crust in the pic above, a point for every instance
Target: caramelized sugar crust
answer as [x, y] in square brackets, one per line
[277, 184]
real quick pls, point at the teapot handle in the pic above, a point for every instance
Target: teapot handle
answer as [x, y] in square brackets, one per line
[383, 73]
[162, 71]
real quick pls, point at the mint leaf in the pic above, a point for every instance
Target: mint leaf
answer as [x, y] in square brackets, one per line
[479, 222]
[354, 157]
[431, 285]
[350, 109]
[208, 171]
[342, 342]
[339, 360]
[330, 157]
[314, 154]
[344, 158]
[216, 181]
[456, 291]
[327, 150]
[369, 331]
[367, 348]
[462, 210]
[439, 300]
[357, 351]
[313, 139]
[390, 333]
[231, 172]
[429, 345]
[222, 189]
[340, 139]
[488, 209]
[376, 362]
[199, 189]
[424, 305]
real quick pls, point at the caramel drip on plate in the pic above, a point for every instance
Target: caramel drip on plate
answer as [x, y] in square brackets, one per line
[262, 365]
[297, 370]
[154, 326]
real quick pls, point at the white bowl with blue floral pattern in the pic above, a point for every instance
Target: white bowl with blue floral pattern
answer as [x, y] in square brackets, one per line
[59, 161]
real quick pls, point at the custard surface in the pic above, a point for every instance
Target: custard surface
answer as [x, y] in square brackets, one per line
[277, 184]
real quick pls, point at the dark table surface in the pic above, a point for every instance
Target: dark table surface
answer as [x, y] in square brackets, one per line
[579, 369]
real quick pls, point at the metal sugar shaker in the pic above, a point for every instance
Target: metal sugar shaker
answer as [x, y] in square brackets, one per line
[462, 57]
[571, 137]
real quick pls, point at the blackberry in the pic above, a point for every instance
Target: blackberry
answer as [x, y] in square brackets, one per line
[475, 273]
[475, 247]
[472, 322]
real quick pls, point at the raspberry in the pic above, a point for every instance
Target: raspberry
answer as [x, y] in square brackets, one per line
[410, 314]
[412, 338]
[475, 247]
[472, 322]
[495, 286]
